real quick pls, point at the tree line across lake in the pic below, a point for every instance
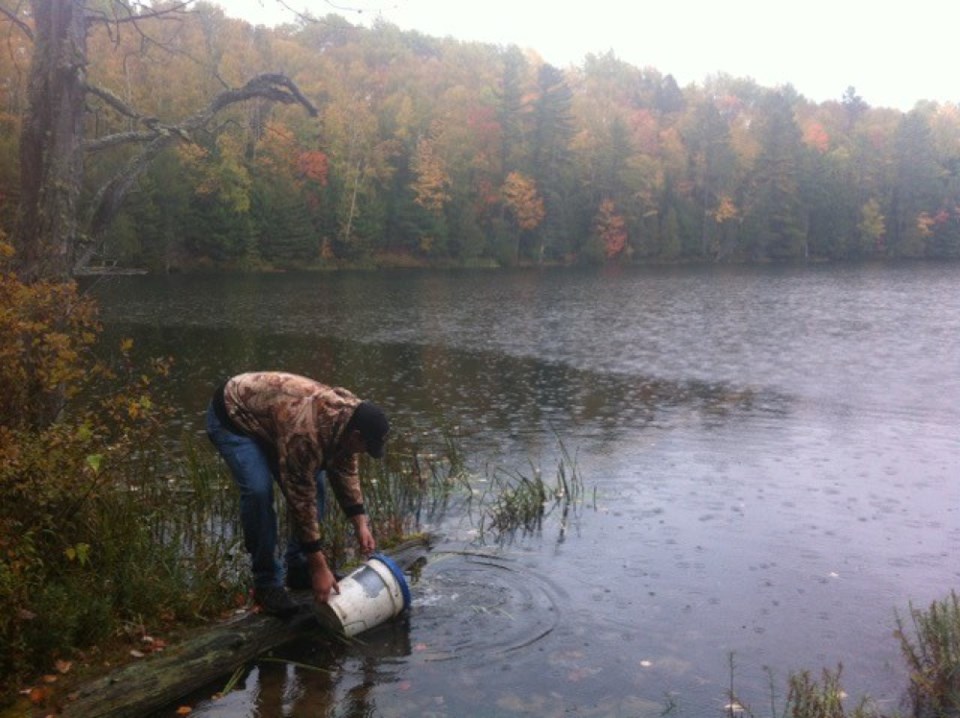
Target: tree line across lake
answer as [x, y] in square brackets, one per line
[435, 151]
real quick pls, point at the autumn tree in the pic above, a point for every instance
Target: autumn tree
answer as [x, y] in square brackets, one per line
[713, 166]
[775, 221]
[521, 198]
[853, 106]
[418, 136]
[552, 159]
[432, 183]
[280, 221]
[513, 110]
[524, 204]
[871, 228]
[467, 140]
[916, 185]
[610, 230]
[52, 141]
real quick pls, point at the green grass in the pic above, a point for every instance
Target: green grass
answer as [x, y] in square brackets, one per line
[930, 646]
[807, 697]
[932, 653]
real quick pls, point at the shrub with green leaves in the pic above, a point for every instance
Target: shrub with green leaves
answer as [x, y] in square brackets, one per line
[91, 532]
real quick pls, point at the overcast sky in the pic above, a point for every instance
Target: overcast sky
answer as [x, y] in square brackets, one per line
[894, 53]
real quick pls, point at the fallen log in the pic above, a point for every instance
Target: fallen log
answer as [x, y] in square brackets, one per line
[147, 686]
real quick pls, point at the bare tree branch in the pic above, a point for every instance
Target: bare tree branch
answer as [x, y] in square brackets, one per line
[107, 202]
[118, 139]
[269, 86]
[12, 17]
[115, 102]
[166, 13]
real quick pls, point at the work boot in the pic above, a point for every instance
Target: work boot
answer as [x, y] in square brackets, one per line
[275, 601]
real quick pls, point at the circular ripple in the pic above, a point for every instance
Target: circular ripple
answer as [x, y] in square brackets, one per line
[468, 605]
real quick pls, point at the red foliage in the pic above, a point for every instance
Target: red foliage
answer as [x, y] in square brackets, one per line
[815, 136]
[313, 165]
[483, 121]
[611, 229]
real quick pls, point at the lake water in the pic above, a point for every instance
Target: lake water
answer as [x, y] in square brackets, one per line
[771, 459]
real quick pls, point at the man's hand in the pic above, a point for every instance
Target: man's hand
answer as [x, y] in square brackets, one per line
[322, 579]
[364, 537]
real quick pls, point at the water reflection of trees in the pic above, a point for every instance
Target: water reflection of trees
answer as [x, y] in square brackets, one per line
[479, 393]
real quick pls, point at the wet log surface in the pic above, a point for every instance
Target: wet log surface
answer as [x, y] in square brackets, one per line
[147, 686]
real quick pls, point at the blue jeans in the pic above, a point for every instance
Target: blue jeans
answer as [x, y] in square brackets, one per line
[255, 473]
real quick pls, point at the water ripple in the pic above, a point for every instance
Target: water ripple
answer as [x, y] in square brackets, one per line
[474, 606]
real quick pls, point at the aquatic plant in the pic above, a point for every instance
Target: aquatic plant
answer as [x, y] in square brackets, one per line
[518, 503]
[515, 502]
[808, 698]
[412, 486]
[932, 654]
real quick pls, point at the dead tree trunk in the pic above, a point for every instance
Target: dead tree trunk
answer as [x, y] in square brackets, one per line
[147, 686]
[51, 159]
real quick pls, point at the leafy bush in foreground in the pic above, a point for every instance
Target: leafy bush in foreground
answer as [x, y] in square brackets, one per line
[92, 535]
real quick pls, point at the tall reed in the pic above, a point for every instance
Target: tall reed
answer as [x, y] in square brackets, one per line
[932, 654]
[808, 698]
[410, 488]
[513, 502]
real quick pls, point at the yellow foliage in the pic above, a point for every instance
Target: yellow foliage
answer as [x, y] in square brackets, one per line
[191, 155]
[872, 222]
[47, 329]
[521, 197]
[432, 181]
[726, 210]
[59, 455]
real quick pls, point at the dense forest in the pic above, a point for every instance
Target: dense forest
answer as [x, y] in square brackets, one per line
[435, 151]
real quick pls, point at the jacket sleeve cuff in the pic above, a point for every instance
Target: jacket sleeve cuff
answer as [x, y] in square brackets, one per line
[354, 510]
[312, 546]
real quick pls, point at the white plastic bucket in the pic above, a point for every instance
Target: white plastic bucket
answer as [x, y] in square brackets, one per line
[369, 595]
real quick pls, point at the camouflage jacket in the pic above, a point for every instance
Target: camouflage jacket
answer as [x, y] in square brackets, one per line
[301, 421]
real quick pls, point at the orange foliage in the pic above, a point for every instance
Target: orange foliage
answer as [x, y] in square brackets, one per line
[611, 229]
[432, 181]
[312, 165]
[815, 135]
[726, 210]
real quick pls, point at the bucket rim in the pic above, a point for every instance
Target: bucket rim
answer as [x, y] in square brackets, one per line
[397, 574]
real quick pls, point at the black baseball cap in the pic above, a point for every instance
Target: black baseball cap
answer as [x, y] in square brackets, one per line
[372, 423]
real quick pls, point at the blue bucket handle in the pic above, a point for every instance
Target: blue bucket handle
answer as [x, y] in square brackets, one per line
[397, 574]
